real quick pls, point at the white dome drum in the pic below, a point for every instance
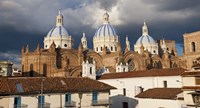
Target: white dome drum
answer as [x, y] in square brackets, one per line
[105, 36]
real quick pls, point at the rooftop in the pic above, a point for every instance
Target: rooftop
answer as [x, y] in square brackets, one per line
[160, 93]
[144, 73]
[30, 85]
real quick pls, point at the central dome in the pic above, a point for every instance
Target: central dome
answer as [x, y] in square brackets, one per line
[105, 36]
[145, 39]
[58, 31]
[105, 30]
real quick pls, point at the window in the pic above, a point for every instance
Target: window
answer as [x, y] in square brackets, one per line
[94, 97]
[197, 80]
[44, 70]
[125, 105]
[101, 48]
[96, 48]
[124, 69]
[115, 48]
[68, 61]
[111, 48]
[31, 70]
[65, 45]
[124, 91]
[193, 47]
[165, 84]
[131, 65]
[90, 70]
[40, 101]
[17, 102]
[67, 99]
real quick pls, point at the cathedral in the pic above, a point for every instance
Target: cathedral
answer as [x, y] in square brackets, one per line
[59, 58]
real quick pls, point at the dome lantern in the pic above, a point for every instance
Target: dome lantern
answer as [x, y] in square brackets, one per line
[59, 19]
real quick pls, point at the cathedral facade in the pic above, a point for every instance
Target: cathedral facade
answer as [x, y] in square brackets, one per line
[59, 58]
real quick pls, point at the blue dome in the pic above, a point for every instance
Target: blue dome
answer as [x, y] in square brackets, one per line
[145, 39]
[58, 31]
[105, 30]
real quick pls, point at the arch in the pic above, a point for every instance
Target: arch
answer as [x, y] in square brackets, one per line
[138, 60]
[76, 71]
[97, 58]
[71, 56]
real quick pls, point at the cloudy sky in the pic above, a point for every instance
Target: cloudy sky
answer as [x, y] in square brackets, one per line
[25, 22]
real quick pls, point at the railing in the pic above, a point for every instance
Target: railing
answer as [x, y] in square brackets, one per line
[20, 106]
[44, 105]
[101, 103]
[70, 104]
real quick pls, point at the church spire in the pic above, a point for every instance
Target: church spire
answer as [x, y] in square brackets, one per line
[59, 19]
[127, 44]
[145, 29]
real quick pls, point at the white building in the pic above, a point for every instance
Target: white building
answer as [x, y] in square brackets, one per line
[59, 35]
[130, 84]
[161, 98]
[191, 87]
[54, 92]
[6, 68]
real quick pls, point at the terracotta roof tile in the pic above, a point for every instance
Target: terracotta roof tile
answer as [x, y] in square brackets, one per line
[50, 85]
[145, 73]
[160, 93]
[191, 73]
[191, 88]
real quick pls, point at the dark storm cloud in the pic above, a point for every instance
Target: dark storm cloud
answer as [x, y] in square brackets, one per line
[174, 5]
[28, 21]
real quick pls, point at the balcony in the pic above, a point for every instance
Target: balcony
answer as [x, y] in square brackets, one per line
[44, 105]
[101, 103]
[20, 106]
[70, 104]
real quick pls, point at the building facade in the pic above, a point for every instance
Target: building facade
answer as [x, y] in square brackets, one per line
[59, 58]
[57, 92]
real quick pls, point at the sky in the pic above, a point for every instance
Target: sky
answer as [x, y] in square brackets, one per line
[25, 22]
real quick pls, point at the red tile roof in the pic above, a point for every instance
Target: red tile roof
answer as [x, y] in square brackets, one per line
[191, 73]
[32, 85]
[144, 73]
[160, 93]
[191, 88]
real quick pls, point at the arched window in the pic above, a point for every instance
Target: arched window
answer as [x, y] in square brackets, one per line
[131, 65]
[111, 48]
[193, 47]
[101, 48]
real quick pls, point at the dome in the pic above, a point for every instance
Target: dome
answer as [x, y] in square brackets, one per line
[105, 30]
[58, 31]
[145, 39]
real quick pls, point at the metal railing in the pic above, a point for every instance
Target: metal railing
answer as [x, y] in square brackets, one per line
[70, 104]
[20, 106]
[44, 105]
[101, 102]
